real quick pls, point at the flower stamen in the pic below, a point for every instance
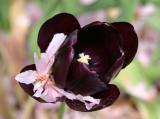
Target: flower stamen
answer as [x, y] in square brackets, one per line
[42, 77]
[84, 58]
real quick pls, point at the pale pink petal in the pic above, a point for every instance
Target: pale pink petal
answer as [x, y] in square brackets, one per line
[41, 62]
[53, 47]
[55, 44]
[46, 60]
[91, 99]
[26, 77]
[49, 64]
[68, 95]
[37, 85]
[46, 96]
[87, 100]
[50, 94]
[89, 105]
[38, 93]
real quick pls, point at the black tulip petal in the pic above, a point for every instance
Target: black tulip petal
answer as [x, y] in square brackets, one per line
[115, 69]
[107, 97]
[60, 23]
[83, 81]
[129, 40]
[29, 88]
[93, 24]
[63, 60]
[102, 43]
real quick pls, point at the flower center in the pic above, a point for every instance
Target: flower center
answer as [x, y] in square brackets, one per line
[84, 58]
[44, 78]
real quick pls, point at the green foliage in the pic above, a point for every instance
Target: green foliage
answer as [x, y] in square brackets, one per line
[128, 9]
[4, 15]
[132, 73]
[154, 20]
[149, 110]
[152, 71]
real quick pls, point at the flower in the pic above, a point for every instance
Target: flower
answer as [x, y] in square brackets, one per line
[76, 64]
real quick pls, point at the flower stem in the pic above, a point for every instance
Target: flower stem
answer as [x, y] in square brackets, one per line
[61, 111]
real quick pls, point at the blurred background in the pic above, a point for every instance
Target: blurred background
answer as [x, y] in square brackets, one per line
[139, 83]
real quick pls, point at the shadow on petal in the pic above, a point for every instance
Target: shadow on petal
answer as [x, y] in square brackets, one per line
[63, 60]
[115, 69]
[107, 97]
[83, 81]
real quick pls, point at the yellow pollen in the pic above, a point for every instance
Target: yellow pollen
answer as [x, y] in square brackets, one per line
[84, 58]
[42, 77]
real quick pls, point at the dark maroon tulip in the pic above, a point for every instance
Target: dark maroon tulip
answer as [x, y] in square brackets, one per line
[84, 64]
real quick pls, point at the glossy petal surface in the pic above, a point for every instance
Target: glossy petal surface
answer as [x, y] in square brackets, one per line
[102, 43]
[60, 23]
[63, 60]
[107, 97]
[115, 69]
[83, 81]
[129, 40]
